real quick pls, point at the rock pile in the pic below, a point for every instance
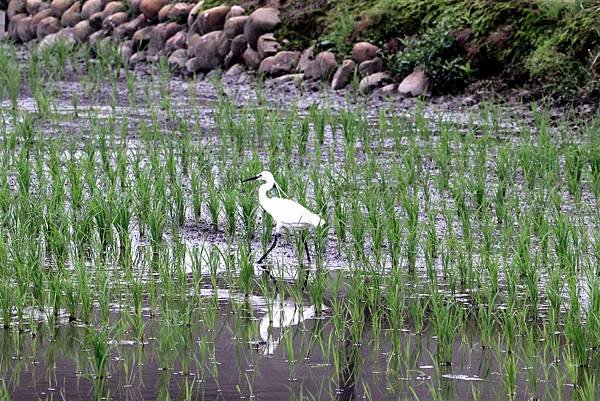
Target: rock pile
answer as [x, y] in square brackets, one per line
[2, 23]
[196, 40]
[364, 64]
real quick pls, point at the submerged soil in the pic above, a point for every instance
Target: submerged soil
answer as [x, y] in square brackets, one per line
[50, 368]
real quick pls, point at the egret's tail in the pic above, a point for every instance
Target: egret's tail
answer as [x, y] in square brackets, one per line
[316, 221]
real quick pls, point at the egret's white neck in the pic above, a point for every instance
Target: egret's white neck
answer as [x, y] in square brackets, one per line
[262, 192]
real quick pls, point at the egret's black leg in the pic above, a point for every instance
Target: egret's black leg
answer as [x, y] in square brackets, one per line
[270, 249]
[307, 269]
[306, 248]
[273, 279]
[271, 276]
[306, 274]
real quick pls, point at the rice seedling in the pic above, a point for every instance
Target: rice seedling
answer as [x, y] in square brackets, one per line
[131, 233]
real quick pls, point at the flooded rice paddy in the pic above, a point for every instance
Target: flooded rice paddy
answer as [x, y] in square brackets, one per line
[460, 260]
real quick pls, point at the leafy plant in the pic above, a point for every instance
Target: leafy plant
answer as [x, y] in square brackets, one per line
[438, 54]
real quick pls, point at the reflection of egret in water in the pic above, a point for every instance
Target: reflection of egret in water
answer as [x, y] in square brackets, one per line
[283, 313]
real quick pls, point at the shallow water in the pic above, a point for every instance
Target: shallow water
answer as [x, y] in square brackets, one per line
[249, 354]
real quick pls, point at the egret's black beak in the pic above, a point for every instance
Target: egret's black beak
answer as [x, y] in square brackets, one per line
[251, 178]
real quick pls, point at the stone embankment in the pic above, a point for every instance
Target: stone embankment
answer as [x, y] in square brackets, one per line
[196, 40]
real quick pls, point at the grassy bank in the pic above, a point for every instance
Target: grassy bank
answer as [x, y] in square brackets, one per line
[551, 47]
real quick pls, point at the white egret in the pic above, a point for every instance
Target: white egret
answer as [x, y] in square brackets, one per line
[285, 212]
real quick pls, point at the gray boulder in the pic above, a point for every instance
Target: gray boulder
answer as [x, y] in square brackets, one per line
[179, 12]
[105, 42]
[72, 16]
[96, 20]
[370, 67]
[96, 37]
[178, 59]
[211, 20]
[280, 64]
[16, 7]
[91, 7]
[343, 76]
[233, 73]
[194, 13]
[287, 79]
[114, 20]
[163, 14]
[126, 51]
[176, 42]
[112, 8]
[235, 11]
[137, 58]
[65, 36]
[305, 59]
[363, 51]
[369, 83]
[192, 66]
[151, 8]
[206, 52]
[171, 28]
[13, 25]
[322, 67]
[251, 58]
[192, 40]
[35, 20]
[160, 34]
[388, 90]
[238, 45]
[134, 7]
[261, 21]
[267, 46]
[414, 84]
[236, 49]
[234, 26]
[60, 6]
[224, 45]
[32, 6]
[141, 38]
[82, 31]
[25, 29]
[127, 29]
[245, 79]
[47, 26]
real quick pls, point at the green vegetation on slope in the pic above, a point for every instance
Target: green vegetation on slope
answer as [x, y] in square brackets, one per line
[552, 44]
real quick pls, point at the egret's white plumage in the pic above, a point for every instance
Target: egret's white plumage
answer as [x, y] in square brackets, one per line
[286, 213]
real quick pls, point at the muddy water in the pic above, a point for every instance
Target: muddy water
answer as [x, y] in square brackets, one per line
[249, 355]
